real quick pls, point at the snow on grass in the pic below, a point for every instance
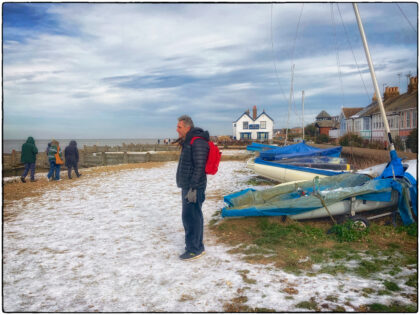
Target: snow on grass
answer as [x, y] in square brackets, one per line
[111, 244]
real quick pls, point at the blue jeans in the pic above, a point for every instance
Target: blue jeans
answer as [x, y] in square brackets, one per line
[29, 166]
[192, 219]
[54, 168]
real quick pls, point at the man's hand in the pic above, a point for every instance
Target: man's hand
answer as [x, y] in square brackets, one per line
[191, 195]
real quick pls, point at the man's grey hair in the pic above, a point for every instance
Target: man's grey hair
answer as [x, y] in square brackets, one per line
[187, 120]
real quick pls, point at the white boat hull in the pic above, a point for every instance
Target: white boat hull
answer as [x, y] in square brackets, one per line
[280, 174]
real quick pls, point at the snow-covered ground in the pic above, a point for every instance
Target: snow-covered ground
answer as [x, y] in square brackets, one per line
[111, 244]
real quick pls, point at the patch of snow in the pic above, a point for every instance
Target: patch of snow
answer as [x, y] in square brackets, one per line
[111, 244]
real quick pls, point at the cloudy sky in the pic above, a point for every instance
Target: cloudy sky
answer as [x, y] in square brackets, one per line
[91, 70]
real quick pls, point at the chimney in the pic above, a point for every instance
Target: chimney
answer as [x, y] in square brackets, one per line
[254, 112]
[374, 98]
[247, 111]
[390, 92]
[413, 86]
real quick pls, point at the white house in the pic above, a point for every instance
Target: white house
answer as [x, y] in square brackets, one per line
[255, 127]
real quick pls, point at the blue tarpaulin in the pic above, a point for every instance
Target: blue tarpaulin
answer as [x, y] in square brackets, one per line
[298, 150]
[260, 147]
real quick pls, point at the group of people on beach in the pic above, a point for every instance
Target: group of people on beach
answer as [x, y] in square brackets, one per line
[191, 176]
[165, 141]
[55, 159]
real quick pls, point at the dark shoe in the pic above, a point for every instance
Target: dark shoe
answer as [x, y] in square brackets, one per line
[22, 180]
[191, 256]
[33, 180]
[79, 175]
[69, 177]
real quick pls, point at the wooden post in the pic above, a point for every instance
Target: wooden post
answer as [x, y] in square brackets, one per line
[125, 157]
[13, 158]
[103, 158]
[82, 157]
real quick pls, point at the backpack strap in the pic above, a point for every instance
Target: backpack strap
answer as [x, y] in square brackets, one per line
[195, 138]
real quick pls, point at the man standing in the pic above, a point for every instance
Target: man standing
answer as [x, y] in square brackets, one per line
[191, 178]
[28, 157]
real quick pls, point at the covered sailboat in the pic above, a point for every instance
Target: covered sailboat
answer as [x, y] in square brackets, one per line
[298, 162]
[298, 150]
[335, 195]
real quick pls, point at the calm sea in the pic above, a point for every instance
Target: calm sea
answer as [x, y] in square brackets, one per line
[9, 145]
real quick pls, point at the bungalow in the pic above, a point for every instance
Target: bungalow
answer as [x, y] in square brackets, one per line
[255, 127]
[344, 118]
[401, 112]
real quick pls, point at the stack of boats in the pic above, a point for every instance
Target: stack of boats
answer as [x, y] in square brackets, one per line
[296, 162]
[318, 183]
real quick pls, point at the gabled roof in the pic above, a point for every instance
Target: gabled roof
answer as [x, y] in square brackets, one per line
[323, 114]
[350, 111]
[265, 114]
[245, 113]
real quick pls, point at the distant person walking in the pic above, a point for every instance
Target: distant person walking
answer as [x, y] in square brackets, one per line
[28, 158]
[48, 148]
[71, 155]
[191, 178]
[55, 157]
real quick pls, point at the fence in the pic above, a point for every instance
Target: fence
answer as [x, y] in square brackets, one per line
[105, 155]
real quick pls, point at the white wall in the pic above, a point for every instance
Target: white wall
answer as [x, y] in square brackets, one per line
[254, 132]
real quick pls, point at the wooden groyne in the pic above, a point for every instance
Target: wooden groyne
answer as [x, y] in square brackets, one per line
[91, 156]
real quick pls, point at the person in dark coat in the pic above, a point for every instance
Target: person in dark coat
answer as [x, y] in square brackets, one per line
[191, 178]
[71, 155]
[28, 158]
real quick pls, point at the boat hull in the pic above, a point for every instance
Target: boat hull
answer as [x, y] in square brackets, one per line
[347, 207]
[281, 174]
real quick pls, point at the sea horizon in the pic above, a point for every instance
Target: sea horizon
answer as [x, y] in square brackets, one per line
[16, 144]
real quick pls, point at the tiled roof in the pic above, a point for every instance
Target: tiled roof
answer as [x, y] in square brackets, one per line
[325, 123]
[350, 111]
[323, 114]
[396, 103]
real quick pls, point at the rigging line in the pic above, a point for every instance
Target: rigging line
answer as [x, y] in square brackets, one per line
[296, 34]
[352, 52]
[337, 54]
[274, 56]
[292, 105]
[402, 12]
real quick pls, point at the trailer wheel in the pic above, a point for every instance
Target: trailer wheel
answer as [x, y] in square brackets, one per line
[360, 223]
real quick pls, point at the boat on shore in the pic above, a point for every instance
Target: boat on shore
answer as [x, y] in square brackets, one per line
[297, 162]
[344, 194]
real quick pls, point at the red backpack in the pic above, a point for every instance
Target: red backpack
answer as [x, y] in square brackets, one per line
[213, 159]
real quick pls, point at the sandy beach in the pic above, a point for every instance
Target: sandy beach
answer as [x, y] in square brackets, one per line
[109, 242]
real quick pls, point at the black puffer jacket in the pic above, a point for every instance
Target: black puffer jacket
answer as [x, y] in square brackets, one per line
[192, 161]
[71, 154]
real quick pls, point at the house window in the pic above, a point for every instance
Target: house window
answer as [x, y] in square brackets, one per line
[402, 120]
[366, 123]
[245, 125]
[408, 119]
[234, 125]
[414, 119]
[263, 124]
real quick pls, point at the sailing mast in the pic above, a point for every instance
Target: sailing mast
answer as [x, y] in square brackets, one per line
[372, 72]
[290, 102]
[303, 124]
